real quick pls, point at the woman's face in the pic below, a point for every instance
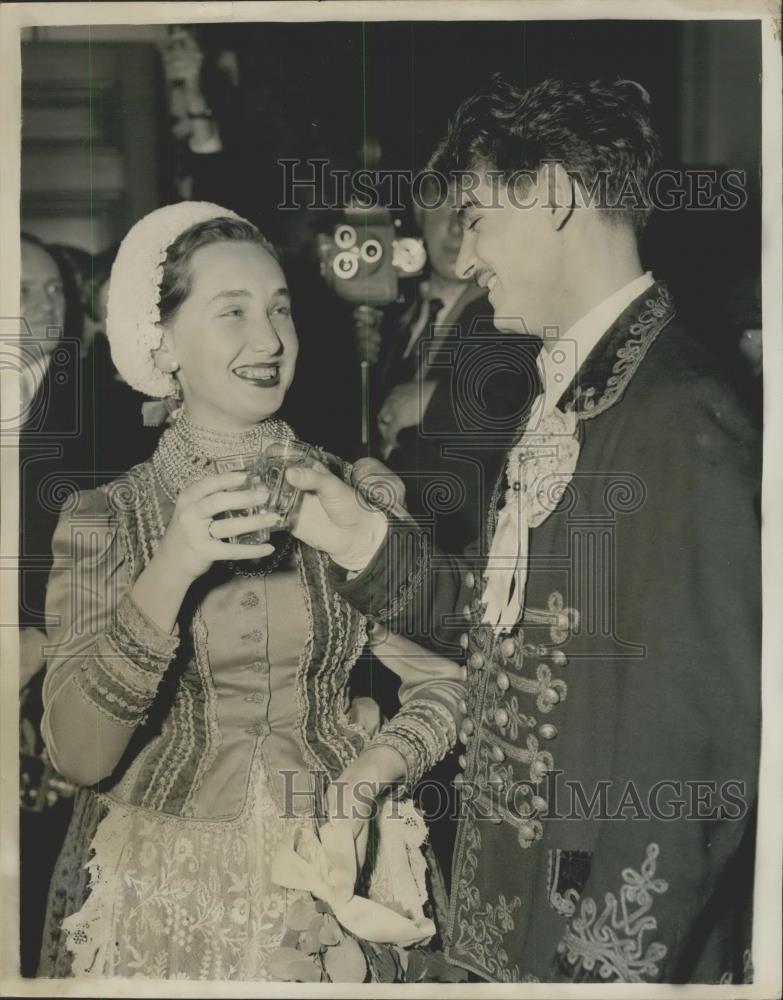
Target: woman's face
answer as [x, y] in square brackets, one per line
[233, 337]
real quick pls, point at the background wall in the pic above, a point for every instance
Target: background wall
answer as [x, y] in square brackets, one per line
[96, 152]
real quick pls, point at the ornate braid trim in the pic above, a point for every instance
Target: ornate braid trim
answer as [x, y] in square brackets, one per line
[122, 677]
[438, 719]
[410, 586]
[658, 312]
[422, 734]
[135, 633]
[323, 667]
[404, 746]
[478, 926]
[614, 939]
[100, 699]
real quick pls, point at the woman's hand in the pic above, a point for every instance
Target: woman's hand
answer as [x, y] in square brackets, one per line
[194, 539]
[351, 802]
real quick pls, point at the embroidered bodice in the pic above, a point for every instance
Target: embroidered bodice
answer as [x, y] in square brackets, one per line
[260, 665]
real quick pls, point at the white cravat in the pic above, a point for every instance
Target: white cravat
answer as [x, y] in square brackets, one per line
[541, 464]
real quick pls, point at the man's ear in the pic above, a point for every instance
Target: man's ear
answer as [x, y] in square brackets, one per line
[163, 357]
[558, 191]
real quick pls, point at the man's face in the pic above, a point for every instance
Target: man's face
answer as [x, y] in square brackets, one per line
[511, 246]
[442, 233]
[42, 297]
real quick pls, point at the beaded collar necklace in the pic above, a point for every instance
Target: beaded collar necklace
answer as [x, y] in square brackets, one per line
[186, 451]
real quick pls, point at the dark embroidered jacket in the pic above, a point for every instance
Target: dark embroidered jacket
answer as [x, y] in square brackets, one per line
[610, 772]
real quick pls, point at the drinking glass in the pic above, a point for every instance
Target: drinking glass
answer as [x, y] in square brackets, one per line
[253, 464]
[277, 457]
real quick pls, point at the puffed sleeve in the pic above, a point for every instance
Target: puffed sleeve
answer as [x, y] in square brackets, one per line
[431, 699]
[101, 646]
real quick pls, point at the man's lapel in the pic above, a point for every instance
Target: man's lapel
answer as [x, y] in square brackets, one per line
[609, 367]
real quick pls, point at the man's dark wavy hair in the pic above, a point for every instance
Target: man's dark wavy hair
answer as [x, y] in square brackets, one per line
[599, 131]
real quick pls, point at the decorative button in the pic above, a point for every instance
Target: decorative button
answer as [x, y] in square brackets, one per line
[463, 640]
[497, 754]
[508, 647]
[539, 804]
[462, 760]
[527, 831]
[470, 580]
[502, 681]
[548, 731]
[467, 726]
[537, 770]
[459, 779]
[501, 717]
[551, 696]
[463, 706]
[495, 778]
[559, 659]
[476, 661]
[466, 611]
[464, 737]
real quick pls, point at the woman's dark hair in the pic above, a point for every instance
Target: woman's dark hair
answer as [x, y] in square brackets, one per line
[599, 131]
[176, 282]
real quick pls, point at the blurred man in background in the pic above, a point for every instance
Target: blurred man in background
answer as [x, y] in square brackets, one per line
[51, 434]
[450, 402]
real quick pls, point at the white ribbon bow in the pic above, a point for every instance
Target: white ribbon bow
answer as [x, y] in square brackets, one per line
[305, 865]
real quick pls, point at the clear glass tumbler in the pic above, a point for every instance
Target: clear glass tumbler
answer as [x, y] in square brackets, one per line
[253, 464]
[277, 457]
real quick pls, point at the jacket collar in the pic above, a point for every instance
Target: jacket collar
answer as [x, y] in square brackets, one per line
[611, 364]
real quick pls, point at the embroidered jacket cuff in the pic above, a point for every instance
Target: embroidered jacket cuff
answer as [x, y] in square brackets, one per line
[387, 584]
[422, 732]
[122, 676]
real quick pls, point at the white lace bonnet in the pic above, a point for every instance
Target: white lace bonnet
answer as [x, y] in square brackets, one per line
[132, 313]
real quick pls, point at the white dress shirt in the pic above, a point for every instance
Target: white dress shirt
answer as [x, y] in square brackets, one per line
[559, 363]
